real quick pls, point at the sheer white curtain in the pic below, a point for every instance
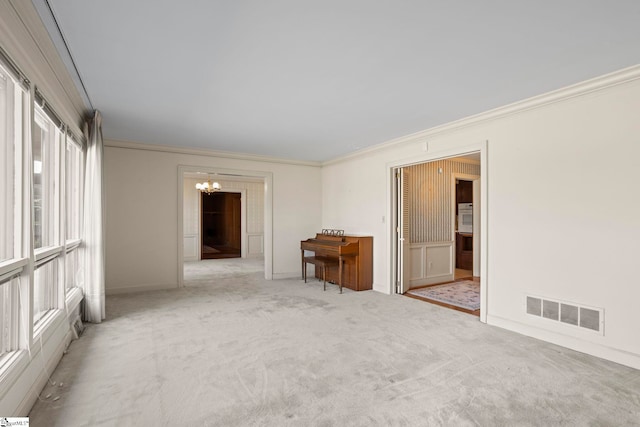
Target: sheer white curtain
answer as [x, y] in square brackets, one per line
[94, 248]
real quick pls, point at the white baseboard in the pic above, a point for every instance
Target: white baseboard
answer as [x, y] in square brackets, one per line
[139, 288]
[615, 355]
[383, 288]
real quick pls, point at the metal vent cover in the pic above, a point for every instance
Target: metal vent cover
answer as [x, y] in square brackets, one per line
[534, 306]
[569, 313]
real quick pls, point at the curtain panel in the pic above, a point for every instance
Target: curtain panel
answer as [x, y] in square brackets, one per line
[94, 220]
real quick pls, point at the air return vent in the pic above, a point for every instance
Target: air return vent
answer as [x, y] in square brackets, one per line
[565, 312]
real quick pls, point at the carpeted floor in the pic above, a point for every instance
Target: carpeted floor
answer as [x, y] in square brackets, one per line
[232, 349]
[464, 294]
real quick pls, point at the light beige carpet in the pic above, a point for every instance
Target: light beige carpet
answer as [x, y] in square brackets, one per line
[233, 349]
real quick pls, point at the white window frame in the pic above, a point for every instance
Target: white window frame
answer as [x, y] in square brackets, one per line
[73, 216]
[53, 213]
[77, 201]
[17, 266]
[7, 172]
[25, 259]
[52, 166]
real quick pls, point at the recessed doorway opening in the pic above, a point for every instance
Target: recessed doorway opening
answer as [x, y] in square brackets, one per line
[436, 247]
[200, 238]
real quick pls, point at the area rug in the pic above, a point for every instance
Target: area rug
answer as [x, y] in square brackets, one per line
[464, 294]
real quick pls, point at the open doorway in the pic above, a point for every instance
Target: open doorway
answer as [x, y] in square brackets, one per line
[221, 225]
[464, 228]
[466, 189]
[437, 244]
[253, 191]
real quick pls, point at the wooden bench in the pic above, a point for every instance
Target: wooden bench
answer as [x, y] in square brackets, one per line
[322, 262]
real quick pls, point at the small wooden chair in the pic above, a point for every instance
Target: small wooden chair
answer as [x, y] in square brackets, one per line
[322, 262]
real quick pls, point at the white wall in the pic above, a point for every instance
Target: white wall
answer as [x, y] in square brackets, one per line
[563, 207]
[142, 212]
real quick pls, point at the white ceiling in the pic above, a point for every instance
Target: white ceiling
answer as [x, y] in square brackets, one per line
[313, 80]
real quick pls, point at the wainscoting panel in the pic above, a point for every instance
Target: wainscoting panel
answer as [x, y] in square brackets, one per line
[431, 262]
[255, 246]
[417, 256]
[190, 247]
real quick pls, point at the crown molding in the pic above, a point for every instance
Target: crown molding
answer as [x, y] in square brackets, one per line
[27, 42]
[50, 23]
[586, 87]
[130, 145]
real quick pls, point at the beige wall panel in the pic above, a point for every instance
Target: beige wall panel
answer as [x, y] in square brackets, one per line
[142, 213]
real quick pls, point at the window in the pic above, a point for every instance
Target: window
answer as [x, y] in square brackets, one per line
[12, 259]
[73, 268]
[74, 161]
[74, 168]
[9, 106]
[47, 142]
[46, 183]
[9, 315]
[45, 292]
[41, 193]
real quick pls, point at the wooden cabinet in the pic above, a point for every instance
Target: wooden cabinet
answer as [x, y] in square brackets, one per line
[464, 192]
[464, 251]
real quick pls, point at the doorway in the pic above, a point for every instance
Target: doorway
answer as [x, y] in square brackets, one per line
[221, 225]
[256, 242]
[465, 218]
[426, 243]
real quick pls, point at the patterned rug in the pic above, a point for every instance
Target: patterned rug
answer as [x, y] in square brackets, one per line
[463, 294]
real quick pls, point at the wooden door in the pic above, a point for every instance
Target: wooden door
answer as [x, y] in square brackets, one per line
[221, 232]
[232, 220]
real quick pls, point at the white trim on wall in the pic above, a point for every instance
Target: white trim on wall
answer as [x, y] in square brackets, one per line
[268, 213]
[208, 153]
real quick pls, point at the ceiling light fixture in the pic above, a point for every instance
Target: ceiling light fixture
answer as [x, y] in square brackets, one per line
[208, 186]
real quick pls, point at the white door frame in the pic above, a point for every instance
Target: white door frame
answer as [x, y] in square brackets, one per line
[267, 177]
[435, 151]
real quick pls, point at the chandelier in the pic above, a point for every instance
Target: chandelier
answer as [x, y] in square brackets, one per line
[208, 186]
